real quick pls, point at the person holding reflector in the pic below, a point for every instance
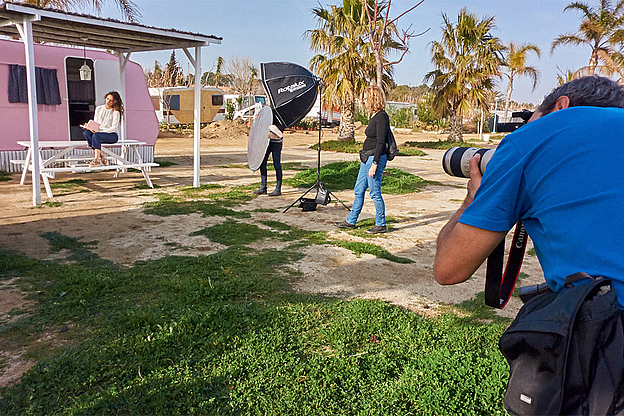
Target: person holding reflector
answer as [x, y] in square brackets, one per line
[276, 138]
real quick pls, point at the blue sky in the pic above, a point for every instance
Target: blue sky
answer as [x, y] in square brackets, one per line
[273, 30]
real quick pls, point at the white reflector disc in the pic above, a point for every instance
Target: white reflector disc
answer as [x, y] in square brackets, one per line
[259, 138]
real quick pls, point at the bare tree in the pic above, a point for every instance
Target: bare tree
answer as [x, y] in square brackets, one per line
[384, 35]
[244, 75]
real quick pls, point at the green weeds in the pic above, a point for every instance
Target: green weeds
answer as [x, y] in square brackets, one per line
[4, 176]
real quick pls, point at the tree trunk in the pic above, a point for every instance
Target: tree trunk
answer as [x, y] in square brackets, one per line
[346, 132]
[593, 62]
[508, 98]
[456, 128]
[379, 64]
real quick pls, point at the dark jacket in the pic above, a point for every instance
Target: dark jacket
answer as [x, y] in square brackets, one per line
[376, 134]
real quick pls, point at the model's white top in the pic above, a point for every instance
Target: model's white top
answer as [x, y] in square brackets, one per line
[108, 119]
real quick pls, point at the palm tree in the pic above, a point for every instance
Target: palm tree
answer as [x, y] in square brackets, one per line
[218, 75]
[565, 77]
[602, 30]
[128, 8]
[345, 62]
[467, 60]
[516, 65]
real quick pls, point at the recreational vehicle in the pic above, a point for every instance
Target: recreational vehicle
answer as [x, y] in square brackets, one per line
[65, 101]
[175, 105]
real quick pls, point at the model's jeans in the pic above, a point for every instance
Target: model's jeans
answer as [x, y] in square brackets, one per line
[374, 186]
[275, 149]
[95, 140]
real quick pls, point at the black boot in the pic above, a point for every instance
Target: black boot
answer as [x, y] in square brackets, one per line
[263, 186]
[278, 189]
[260, 191]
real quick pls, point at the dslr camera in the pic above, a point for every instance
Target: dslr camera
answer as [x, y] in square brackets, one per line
[456, 160]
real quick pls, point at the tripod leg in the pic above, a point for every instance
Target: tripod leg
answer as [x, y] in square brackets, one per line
[338, 199]
[298, 199]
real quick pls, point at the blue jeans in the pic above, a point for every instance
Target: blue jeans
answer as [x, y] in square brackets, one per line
[275, 149]
[374, 186]
[95, 140]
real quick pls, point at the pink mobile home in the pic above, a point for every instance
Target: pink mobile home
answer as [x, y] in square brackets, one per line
[78, 99]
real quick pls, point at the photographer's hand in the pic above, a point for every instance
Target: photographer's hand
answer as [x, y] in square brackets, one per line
[475, 180]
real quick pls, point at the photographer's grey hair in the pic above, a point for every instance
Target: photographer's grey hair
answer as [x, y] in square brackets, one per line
[592, 91]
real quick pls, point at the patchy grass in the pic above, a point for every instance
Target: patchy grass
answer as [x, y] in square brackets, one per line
[192, 192]
[169, 205]
[362, 226]
[359, 248]
[339, 176]
[440, 144]
[410, 151]
[233, 233]
[224, 334]
[285, 166]
[145, 186]
[232, 198]
[48, 204]
[164, 163]
[5, 176]
[72, 183]
[531, 252]
[355, 147]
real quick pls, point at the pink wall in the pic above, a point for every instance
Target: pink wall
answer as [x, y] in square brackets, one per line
[53, 119]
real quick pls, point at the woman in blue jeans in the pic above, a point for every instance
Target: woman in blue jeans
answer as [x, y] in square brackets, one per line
[108, 116]
[371, 171]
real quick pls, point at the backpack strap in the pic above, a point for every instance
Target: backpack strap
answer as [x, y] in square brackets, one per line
[499, 286]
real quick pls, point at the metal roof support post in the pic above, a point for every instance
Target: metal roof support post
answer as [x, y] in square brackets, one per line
[196, 61]
[26, 33]
[123, 61]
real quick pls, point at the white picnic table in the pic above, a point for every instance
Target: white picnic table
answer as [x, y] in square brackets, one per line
[61, 161]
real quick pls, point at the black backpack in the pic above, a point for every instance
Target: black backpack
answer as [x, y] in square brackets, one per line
[391, 146]
[566, 351]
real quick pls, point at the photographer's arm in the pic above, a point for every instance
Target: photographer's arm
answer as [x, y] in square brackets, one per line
[462, 248]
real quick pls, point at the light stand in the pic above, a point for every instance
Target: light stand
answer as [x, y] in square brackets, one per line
[318, 185]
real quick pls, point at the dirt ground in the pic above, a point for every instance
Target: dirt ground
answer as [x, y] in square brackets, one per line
[111, 214]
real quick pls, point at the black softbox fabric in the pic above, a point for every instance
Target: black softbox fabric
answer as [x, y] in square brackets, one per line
[291, 89]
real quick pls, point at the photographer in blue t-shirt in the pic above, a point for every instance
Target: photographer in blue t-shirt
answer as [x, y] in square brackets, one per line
[562, 176]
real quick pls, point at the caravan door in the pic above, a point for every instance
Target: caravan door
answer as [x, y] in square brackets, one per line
[106, 79]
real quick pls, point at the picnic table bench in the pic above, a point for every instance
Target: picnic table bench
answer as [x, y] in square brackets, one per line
[62, 161]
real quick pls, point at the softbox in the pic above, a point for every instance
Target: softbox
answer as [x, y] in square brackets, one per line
[291, 88]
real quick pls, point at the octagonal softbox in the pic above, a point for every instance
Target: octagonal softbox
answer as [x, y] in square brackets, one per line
[291, 89]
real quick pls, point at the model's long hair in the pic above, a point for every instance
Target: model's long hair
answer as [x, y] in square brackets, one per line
[117, 102]
[374, 99]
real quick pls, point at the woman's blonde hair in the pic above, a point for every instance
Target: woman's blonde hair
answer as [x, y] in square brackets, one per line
[374, 99]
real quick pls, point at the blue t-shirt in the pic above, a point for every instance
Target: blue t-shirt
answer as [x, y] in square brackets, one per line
[562, 176]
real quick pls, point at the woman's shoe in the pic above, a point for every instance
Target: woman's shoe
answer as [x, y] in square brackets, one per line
[276, 192]
[344, 225]
[378, 229]
[104, 160]
[95, 163]
[260, 191]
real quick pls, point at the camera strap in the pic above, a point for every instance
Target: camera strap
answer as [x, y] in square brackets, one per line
[499, 286]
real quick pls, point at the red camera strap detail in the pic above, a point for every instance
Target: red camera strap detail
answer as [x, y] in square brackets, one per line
[499, 286]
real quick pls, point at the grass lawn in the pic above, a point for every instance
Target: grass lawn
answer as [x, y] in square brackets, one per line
[339, 176]
[225, 334]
